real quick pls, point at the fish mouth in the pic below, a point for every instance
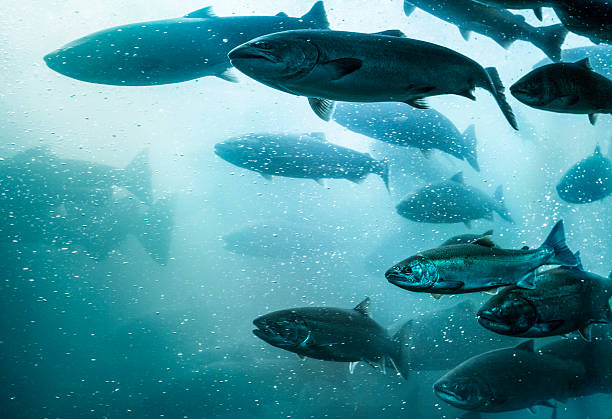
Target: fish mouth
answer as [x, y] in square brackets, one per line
[223, 149]
[445, 393]
[246, 52]
[490, 321]
[520, 91]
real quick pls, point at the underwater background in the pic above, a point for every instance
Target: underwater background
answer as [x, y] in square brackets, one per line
[125, 336]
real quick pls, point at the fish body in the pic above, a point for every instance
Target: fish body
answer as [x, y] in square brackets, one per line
[452, 201]
[564, 300]
[589, 18]
[171, 50]
[496, 23]
[400, 125]
[327, 66]
[330, 334]
[509, 379]
[308, 156]
[588, 180]
[566, 88]
[441, 339]
[465, 238]
[478, 266]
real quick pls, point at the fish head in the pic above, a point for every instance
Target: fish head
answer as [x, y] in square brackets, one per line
[508, 313]
[534, 89]
[275, 57]
[284, 329]
[469, 393]
[416, 273]
[240, 151]
[411, 208]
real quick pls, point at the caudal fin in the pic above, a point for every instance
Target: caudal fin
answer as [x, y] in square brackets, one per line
[471, 142]
[383, 172]
[156, 232]
[401, 355]
[501, 205]
[556, 241]
[497, 88]
[317, 16]
[549, 39]
[137, 177]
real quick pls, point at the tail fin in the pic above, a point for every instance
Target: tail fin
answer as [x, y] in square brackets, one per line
[317, 16]
[158, 222]
[556, 241]
[549, 39]
[470, 141]
[497, 88]
[384, 172]
[137, 177]
[401, 355]
[501, 206]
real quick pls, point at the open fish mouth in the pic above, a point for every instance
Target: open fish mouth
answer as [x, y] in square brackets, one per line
[445, 393]
[493, 322]
[250, 53]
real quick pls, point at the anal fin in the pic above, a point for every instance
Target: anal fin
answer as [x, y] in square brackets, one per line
[324, 108]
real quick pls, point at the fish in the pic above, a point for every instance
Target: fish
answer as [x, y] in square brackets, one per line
[171, 50]
[600, 58]
[394, 123]
[308, 156]
[327, 66]
[332, 334]
[101, 229]
[566, 88]
[281, 241]
[40, 172]
[509, 379]
[498, 24]
[589, 18]
[479, 266]
[452, 201]
[594, 356]
[564, 300]
[589, 180]
[536, 5]
[465, 238]
[443, 338]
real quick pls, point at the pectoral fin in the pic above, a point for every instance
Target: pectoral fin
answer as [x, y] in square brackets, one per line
[592, 118]
[418, 103]
[538, 13]
[436, 296]
[342, 67]
[352, 366]
[564, 101]
[228, 75]
[451, 284]
[528, 281]
[465, 34]
[324, 108]
[585, 332]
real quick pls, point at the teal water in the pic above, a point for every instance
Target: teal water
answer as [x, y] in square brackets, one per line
[95, 323]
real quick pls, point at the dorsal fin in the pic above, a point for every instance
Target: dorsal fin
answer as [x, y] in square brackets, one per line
[597, 151]
[203, 13]
[579, 265]
[526, 346]
[484, 241]
[487, 233]
[364, 307]
[281, 14]
[584, 63]
[392, 32]
[458, 178]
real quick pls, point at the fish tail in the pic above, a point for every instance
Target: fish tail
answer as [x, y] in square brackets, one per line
[501, 205]
[156, 229]
[400, 355]
[317, 16]
[138, 175]
[496, 87]
[556, 241]
[471, 142]
[383, 171]
[549, 39]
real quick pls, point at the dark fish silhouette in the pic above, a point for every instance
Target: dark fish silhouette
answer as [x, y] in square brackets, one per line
[498, 24]
[566, 88]
[588, 180]
[397, 124]
[308, 156]
[327, 66]
[452, 201]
